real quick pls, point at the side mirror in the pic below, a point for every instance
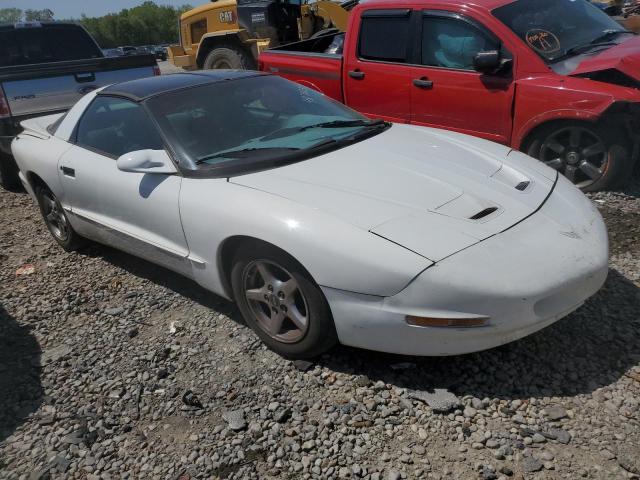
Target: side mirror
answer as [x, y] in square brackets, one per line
[491, 62]
[146, 161]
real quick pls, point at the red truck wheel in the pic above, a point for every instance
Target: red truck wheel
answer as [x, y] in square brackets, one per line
[587, 156]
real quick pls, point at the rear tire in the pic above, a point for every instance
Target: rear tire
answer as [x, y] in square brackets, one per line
[9, 179]
[281, 303]
[228, 57]
[591, 157]
[55, 218]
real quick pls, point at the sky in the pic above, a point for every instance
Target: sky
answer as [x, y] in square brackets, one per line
[91, 8]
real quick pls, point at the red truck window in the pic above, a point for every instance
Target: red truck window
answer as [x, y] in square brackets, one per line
[384, 36]
[452, 43]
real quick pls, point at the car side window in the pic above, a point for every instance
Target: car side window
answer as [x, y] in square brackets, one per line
[452, 43]
[115, 126]
[384, 36]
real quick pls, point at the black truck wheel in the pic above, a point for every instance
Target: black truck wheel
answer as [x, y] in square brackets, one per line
[227, 57]
[592, 158]
[9, 179]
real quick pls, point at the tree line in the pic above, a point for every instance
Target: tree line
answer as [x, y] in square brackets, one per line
[146, 24]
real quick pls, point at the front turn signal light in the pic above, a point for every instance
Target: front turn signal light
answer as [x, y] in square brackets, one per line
[446, 322]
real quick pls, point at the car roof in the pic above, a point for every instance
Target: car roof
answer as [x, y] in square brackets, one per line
[143, 88]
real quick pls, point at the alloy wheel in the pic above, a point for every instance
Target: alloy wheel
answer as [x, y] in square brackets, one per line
[276, 301]
[576, 152]
[54, 216]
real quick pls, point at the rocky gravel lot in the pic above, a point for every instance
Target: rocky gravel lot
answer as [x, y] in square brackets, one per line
[111, 367]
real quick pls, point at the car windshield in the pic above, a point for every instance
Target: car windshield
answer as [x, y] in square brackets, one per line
[257, 119]
[557, 29]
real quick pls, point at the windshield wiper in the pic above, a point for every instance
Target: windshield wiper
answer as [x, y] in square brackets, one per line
[609, 34]
[332, 124]
[602, 40]
[244, 153]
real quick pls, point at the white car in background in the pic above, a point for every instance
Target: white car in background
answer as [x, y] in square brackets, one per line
[322, 225]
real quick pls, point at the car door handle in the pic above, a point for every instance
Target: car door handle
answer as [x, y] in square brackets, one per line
[85, 77]
[422, 82]
[69, 172]
[356, 74]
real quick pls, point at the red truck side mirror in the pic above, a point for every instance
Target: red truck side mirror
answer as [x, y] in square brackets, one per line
[491, 62]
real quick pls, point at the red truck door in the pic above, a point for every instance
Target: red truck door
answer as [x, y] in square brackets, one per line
[446, 90]
[377, 72]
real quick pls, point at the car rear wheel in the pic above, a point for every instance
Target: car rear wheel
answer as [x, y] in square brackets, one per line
[590, 158]
[227, 57]
[56, 220]
[280, 301]
[9, 179]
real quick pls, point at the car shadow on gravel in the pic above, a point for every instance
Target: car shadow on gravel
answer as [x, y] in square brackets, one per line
[21, 391]
[589, 349]
[164, 277]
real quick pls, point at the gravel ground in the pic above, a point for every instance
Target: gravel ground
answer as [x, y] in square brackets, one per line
[111, 367]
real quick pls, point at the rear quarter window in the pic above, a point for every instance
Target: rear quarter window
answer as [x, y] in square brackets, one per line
[384, 36]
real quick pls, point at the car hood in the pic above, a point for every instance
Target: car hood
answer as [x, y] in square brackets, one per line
[430, 191]
[624, 57]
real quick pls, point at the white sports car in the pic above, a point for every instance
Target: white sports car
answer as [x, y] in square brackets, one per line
[322, 225]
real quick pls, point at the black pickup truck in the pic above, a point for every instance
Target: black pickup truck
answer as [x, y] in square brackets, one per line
[45, 68]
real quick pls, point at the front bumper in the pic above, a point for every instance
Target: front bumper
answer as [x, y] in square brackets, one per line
[524, 279]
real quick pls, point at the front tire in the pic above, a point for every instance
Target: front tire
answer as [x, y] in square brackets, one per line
[56, 220]
[227, 57]
[281, 303]
[590, 157]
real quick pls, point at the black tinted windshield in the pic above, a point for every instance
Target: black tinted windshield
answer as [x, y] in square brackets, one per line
[557, 28]
[250, 120]
[45, 43]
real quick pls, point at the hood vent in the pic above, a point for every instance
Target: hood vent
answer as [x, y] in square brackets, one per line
[522, 186]
[483, 213]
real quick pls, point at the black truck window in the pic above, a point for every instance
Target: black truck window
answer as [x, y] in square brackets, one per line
[384, 36]
[46, 43]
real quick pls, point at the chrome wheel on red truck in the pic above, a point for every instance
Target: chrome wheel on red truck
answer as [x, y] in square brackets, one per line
[583, 154]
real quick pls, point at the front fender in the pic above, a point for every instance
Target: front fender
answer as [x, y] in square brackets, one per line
[334, 252]
[550, 98]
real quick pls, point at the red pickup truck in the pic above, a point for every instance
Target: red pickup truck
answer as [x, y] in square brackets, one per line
[557, 79]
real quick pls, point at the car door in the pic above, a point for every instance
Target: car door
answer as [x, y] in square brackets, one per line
[377, 70]
[137, 212]
[447, 91]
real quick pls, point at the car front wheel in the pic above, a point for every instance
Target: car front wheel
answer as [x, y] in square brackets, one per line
[280, 301]
[591, 158]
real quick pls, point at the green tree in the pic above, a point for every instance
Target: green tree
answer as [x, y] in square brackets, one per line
[45, 15]
[146, 24]
[11, 15]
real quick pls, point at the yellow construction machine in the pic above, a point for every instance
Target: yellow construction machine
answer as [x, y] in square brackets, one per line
[232, 33]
